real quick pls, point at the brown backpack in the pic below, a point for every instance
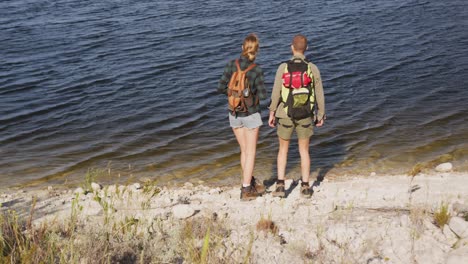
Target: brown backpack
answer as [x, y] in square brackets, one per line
[239, 89]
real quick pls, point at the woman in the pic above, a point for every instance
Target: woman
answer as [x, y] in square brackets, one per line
[244, 114]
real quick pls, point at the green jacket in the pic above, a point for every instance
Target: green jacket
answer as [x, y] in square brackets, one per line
[255, 77]
[276, 104]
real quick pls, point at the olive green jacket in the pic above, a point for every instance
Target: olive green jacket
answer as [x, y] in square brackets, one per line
[276, 104]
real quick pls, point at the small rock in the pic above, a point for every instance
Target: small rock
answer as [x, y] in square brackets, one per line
[460, 208]
[214, 191]
[96, 186]
[136, 186]
[188, 185]
[444, 167]
[182, 211]
[459, 226]
[195, 202]
[78, 190]
[450, 237]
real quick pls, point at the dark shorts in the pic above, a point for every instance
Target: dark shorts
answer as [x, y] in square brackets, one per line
[304, 128]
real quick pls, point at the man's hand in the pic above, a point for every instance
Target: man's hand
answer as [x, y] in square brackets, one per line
[320, 123]
[272, 119]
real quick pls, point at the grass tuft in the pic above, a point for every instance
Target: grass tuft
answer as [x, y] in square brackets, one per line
[418, 168]
[267, 225]
[442, 215]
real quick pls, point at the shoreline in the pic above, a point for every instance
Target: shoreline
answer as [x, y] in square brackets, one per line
[357, 219]
[109, 178]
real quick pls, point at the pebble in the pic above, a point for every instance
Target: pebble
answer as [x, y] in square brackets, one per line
[459, 226]
[444, 167]
[182, 211]
[96, 186]
[188, 185]
[78, 190]
[215, 191]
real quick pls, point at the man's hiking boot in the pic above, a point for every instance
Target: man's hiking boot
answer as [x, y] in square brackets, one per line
[306, 191]
[280, 190]
[249, 193]
[258, 186]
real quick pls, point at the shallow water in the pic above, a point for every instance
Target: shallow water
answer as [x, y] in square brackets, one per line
[130, 86]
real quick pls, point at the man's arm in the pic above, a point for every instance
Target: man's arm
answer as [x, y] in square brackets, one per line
[319, 95]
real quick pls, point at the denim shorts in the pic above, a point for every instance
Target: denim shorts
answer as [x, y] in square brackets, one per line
[251, 121]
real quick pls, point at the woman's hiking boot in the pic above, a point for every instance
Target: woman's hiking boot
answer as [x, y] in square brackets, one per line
[280, 190]
[306, 191]
[258, 186]
[249, 193]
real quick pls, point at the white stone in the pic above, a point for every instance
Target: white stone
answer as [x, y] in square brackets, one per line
[459, 226]
[182, 211]
[214, 191]
[458, 256]
[444, 167]
[78, 190]
[450, 237]
[460, 208]
[136, 186]
[96, 186]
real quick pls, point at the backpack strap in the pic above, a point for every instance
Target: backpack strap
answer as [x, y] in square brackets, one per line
[251, 66]
[237, 65]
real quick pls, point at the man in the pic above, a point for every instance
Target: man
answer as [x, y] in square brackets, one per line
[296, 91]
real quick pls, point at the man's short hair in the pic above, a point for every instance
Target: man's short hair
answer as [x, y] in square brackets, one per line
[300, 43]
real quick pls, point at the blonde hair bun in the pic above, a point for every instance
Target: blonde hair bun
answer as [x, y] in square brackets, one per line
[250, 47]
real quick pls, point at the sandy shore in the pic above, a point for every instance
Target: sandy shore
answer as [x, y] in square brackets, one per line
[378, 219]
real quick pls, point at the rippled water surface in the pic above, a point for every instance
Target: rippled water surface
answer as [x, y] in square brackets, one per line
[129, 86]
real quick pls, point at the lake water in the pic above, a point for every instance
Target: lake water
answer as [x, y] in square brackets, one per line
[129, 86]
